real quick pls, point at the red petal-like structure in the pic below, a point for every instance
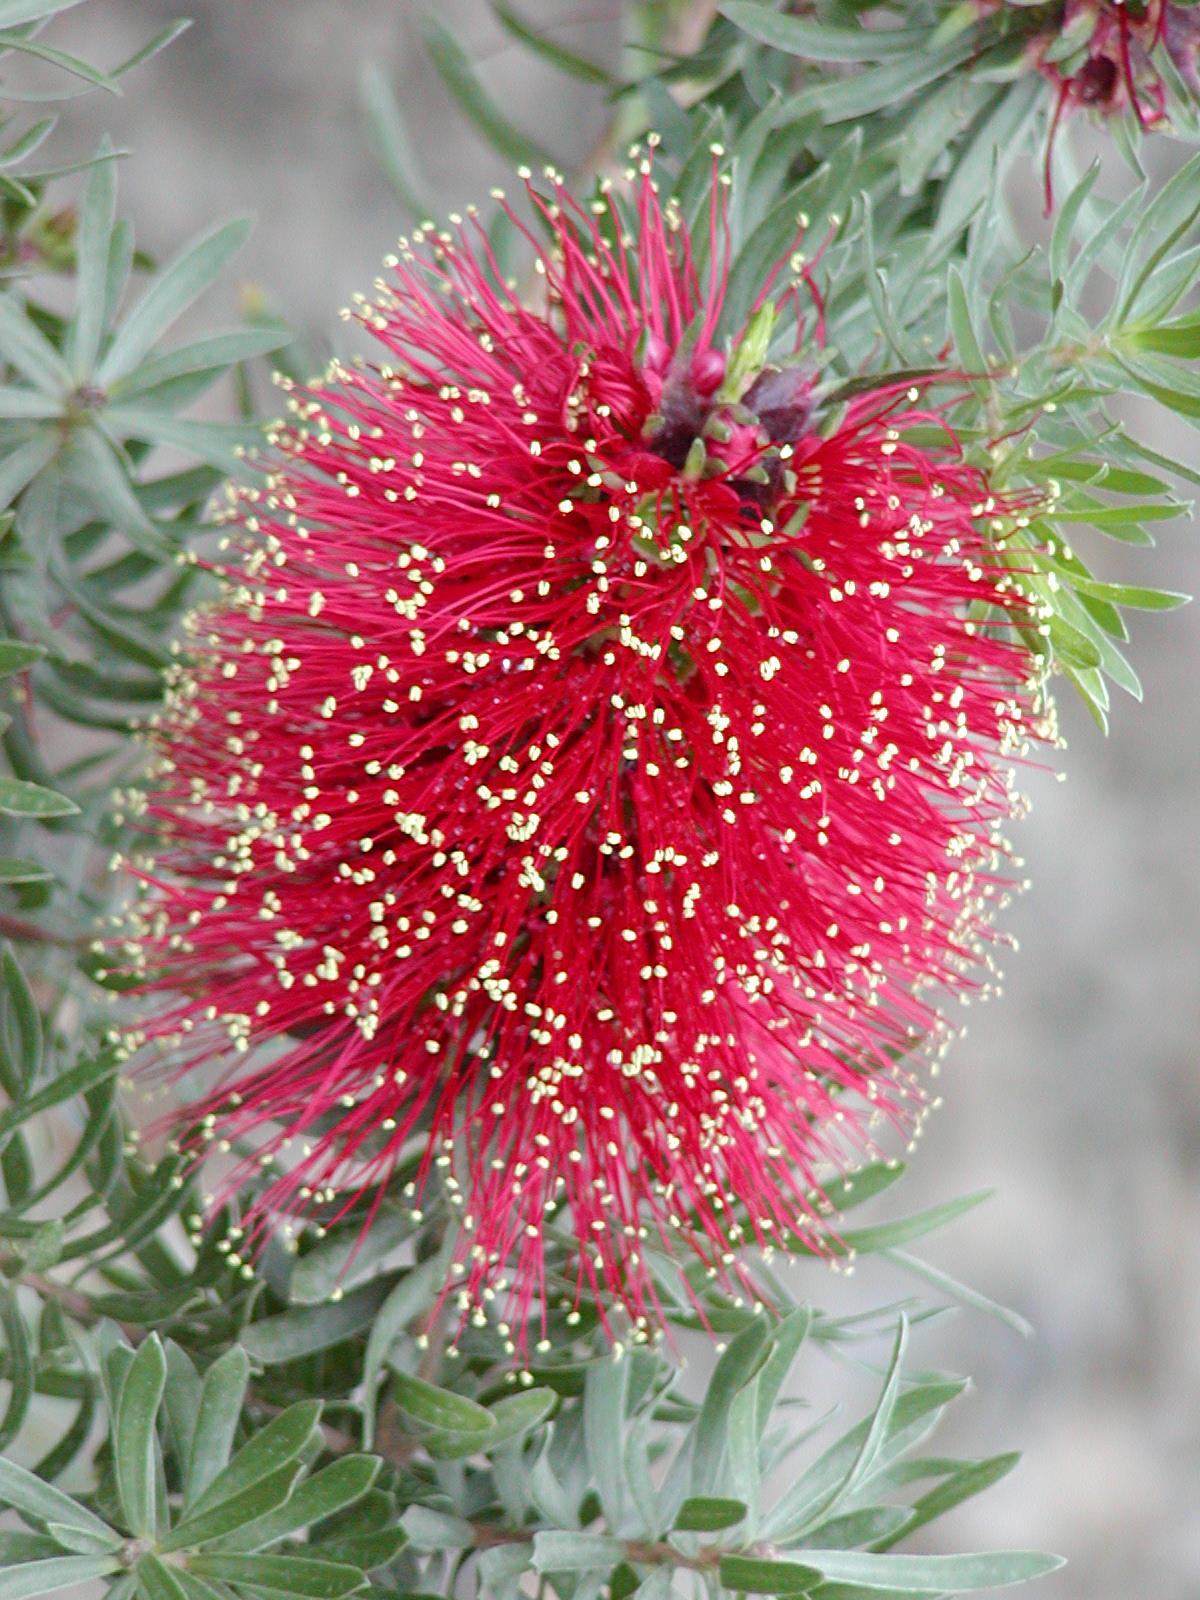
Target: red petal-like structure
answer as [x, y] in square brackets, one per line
[593, 774]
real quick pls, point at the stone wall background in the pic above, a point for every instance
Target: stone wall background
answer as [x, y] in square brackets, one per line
[1078, 1095]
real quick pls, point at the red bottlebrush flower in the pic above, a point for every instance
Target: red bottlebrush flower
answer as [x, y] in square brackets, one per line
[592, 773]
[1101, 56]
[1117, 71]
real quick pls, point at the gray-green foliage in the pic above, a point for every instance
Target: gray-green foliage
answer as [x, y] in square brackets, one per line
[94, 530]
[225, 1422]
[357, 1453]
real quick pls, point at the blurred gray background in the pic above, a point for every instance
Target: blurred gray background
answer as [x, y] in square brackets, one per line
[1077, 1096]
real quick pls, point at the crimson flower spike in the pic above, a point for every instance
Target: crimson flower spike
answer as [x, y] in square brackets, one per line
[1118, 70]
[591, 777]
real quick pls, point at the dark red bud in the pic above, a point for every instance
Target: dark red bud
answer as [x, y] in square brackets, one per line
[654, 353]
[707, 371]
[1096, 82]
[781, 398]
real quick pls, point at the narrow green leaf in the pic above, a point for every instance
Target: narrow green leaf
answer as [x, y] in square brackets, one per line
[28, 405]
[19, 1365]
[1095, 696]
[518, 1414]
[708, 1514]
[852, 98]
[655, 1586]
[181, 1402]
[605, 1407]
[37, 1578]
[843, 1193]
[67, 168]
[787, 1337]
[1101, 240]
[1144, 452]
[458, 75]
[770, 240]
[135, 1218]
[19, 468]
[344, 1257]
[432, 1407]
[866, 1457]
[1064, 223]
[98, 472]
[961, 1292]
[915, 1411]
[21, 799]
[216, 1420]
[1071, 645]
[866, 1526]
[739, 1363]
[1127, 594]
[576, 1552]
[134, 1441]
[28, 142]
[754, 1575]
[120, 265]
[213, 353]
[18, 1546]
[407, 1299]
[93, 245]
[218, 1522]
[501, 1570]
[513, 1417]
[1180, 339]
[391, 143]
[1169, 215]
[15, 190]
[740, 1475]
[339, 1485]
[24, 45]
[76, 1080]
[20, 1025]
[306, 1329]
[157, 1581]
[1102, 474]
[981, 165]
[283, 1439]
[1163, 291]
[435, 1530]
[367, 1550]
[14, 12]
[26, 347]
[159, 41]
[970, 352]
[16, 655]
[1107, 517]
[82, 1541]
[16, 1171]
[947, 112]
[293, 1577]
[168, 297]
[137, 643]
[884, 1235]
[816, 41]
[947, 1574]
[174, 491]
[195, 1588]
[574, 65]
[31, 1496]
[969, 1478]
[149, 1306]
[18, 869]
